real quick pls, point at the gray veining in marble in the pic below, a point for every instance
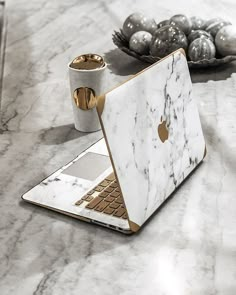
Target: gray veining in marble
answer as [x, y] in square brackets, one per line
[148, 169]
[189, 246]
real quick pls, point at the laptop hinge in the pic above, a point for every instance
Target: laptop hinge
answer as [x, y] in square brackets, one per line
[133, 226]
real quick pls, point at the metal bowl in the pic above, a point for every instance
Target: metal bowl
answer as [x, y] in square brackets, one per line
[122, 43]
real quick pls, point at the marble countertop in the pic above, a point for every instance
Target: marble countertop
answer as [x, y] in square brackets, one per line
[189, 246]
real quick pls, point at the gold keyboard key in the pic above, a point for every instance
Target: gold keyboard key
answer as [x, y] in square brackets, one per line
[119, 212]
[88, 198]
[94, 203]
[91, 192]
[103, 194]
[114, 205]
[101, 206]
[114, 194]
[111, 177]
[79, 202]
[113, 185]
[98, 188]
[109, 189]
[124, 216]
[108, 210]
[104, 183]
[119, 200]
[110, 199]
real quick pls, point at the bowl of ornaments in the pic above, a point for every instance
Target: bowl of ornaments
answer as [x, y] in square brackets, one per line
[206, 42]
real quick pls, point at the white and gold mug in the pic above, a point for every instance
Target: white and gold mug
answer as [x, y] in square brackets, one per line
[87, 80]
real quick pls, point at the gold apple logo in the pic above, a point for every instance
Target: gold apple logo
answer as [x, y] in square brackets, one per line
[163, 131]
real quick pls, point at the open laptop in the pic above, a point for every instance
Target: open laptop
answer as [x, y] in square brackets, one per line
[152, 140]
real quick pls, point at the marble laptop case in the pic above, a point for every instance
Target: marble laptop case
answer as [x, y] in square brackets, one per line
[152, 140]
[153, 131]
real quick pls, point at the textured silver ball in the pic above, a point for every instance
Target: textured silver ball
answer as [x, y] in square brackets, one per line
[197, 23]
[226, 41]
[163, 23]
[213, 20]
[138, 22]
[182, 22]
[166, 40]
[199, 34]
[140, 42]
[200, 49]
[214, 28]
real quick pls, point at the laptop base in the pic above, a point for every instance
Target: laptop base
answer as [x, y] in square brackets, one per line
[64, 188]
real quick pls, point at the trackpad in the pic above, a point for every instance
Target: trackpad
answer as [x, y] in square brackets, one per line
[89, 167]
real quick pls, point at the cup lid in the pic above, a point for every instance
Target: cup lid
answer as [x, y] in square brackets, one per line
[87, 62]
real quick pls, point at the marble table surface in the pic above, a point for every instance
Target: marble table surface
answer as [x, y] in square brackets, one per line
[189, 246]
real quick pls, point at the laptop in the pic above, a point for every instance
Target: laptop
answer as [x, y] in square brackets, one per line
[152, 141]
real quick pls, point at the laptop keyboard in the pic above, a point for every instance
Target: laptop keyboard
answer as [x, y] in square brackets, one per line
[105, 198]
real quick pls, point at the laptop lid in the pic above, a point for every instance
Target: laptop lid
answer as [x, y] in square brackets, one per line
[153, 133]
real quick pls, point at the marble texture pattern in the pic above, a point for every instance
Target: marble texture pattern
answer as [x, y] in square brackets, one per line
[2, 42]
[188, 247]
[148, 169]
